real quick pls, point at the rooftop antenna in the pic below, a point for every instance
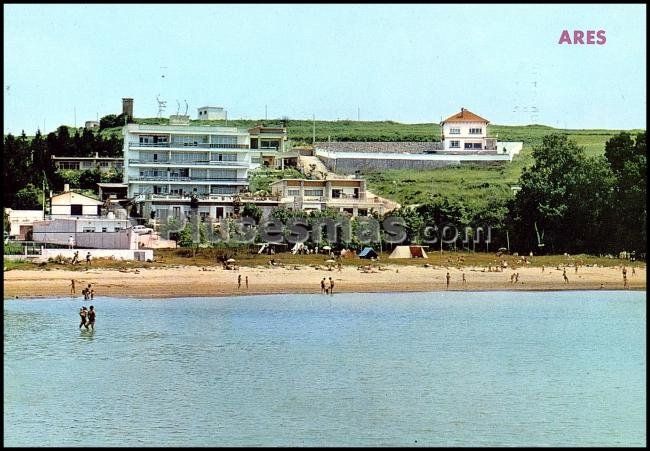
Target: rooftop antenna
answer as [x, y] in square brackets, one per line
[178, 107]
[186, 107]
[162, 104]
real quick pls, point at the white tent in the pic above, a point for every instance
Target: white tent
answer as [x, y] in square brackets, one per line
[408, 252]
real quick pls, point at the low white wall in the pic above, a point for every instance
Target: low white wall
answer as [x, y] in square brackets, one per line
[118, 254]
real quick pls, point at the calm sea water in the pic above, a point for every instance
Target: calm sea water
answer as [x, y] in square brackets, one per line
[425, 369]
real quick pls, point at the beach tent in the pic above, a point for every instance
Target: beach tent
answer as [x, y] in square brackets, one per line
[408, 252]
[368, 252]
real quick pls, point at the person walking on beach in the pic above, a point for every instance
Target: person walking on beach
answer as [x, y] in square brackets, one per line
[331, 286]
[88, 259]
[75, 258]
[542, 268]
[576, 268]
[566, 279]
[516, 277]
[448, 279]
[70, 242]
[322, 285]
[633, 271]
[72, 290]
[91, 317]
[239, 281]
[247, 282]
[464, 280]
[83, 314]
[625, 285]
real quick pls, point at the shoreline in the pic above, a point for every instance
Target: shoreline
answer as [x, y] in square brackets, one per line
[192, 281]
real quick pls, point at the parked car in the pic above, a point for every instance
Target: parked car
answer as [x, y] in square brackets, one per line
[142, 230]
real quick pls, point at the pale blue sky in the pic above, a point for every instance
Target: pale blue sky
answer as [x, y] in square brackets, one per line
[408, 63]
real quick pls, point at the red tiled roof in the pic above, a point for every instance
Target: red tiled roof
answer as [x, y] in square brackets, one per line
[465, 116]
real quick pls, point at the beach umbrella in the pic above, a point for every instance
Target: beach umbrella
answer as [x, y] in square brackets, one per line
[327, 248]
[231, 260]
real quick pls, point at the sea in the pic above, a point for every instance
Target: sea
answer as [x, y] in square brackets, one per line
[455, 368]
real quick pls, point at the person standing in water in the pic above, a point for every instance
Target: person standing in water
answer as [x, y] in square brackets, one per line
[72, 289]
[247, 282]
[448, 279]
[83, 314]
[91, 317]
[239, 281]
[331, 286]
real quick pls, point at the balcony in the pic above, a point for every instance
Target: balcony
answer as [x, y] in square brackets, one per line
[147, 178]
[211, 163]
[189, 146]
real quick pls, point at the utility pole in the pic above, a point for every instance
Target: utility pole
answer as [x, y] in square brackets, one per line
[358, 114]
[266, 113]
[43, 197]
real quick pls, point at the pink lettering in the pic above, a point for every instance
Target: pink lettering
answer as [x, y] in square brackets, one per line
[601, 37]
[577, 37]
[591, 34]
[565, 37]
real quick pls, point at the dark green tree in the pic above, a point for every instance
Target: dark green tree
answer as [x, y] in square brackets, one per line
[28, 198]
[563, 197]
[628, 214]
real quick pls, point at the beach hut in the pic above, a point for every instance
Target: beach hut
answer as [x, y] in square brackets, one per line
[368, 252]
[408, 252]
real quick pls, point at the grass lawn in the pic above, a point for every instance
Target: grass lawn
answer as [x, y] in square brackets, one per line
[246, 258]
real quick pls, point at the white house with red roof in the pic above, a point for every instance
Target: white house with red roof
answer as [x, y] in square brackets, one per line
[466, 131]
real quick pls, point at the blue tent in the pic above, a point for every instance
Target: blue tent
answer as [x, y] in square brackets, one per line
[368, 252]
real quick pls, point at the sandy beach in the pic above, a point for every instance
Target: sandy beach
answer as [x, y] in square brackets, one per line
[187, 281]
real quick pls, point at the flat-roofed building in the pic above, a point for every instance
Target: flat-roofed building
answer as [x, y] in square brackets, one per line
[104, 164]
[344, 195]
[268, 146]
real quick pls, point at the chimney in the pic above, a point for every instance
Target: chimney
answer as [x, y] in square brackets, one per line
[462, 110]
[66, 187]
[127, 106]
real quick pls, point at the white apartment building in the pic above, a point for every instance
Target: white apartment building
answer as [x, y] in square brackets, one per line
[165, 164]
[466, 131]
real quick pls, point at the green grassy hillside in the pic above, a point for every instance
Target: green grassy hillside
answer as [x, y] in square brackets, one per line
[472, 184]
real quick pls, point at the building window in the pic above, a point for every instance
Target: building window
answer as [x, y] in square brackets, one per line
[475, 131]
[454, 144]
[478, 146]
[222, 190]
[76, 209]
[69, 165]
[468, 145]
[88, 229]
[103, 164]
[293, 192]
[314, 192]
[454, 131]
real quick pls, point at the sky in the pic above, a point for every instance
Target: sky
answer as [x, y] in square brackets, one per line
[410, 63]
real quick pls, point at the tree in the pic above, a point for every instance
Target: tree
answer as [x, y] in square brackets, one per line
[563, 196]
[89, 179]
[252, 211]
[28, 198]
[628, 215]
